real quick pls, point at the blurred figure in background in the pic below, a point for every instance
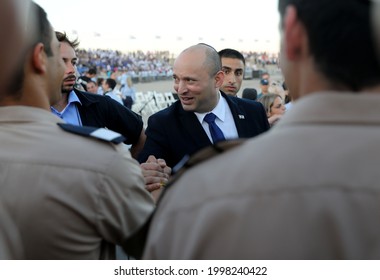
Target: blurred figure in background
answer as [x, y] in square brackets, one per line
[265, 76]
[288, 97]
[274, 107]
[92, 87]
[249, 93]
[90, 75]
[109, 88]
[99, 82]
[128, 92]
[264, 87]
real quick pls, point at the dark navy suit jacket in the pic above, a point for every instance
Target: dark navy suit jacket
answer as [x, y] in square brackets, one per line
[173, 132]
[102, 111]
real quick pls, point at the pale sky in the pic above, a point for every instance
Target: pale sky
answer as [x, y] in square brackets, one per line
[125, 25]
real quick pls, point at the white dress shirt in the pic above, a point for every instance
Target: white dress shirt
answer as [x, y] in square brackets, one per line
[224, 120]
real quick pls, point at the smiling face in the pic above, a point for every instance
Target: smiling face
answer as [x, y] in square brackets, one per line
[197, 88]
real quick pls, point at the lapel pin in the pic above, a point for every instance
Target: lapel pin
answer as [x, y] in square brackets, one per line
[241, 117]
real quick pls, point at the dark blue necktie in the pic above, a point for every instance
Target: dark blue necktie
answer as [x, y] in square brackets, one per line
[216, 133]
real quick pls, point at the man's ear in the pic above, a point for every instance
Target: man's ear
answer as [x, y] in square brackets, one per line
[219, 78]
[39, 58]
[294, 34]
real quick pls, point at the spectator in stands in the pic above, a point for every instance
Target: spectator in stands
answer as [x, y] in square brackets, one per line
[274, 106]
[128, 93]
[92, 87]
[308, 188]
[288, 97]
[81, 108]
[233, 66]
[99, 82]
[264, 87]
[90, 75]
[265, 76]
[109, 89]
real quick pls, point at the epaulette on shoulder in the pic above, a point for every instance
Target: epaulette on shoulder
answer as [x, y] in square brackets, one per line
[95, 132]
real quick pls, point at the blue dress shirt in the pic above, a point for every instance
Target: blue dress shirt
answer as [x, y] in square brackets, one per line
[70, 114]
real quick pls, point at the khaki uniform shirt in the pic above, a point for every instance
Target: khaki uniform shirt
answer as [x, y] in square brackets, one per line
[70, 196]
[307, 189]
[10, 241]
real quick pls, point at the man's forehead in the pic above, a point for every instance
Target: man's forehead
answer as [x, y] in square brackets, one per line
[67, 50]
[192, 55]
[188, 62]
[228, 61]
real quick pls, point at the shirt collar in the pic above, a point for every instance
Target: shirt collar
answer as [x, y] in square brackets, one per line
[219, 110]
[73, 98]
[334, 108]
[27, 114]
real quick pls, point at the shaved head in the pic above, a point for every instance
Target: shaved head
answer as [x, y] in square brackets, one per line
[211, 59]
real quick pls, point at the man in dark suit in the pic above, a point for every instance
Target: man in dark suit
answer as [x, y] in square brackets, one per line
[82, 108]
[182, 129]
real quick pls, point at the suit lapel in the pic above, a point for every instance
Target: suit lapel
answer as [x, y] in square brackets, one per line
[239, 117]
[193, 128]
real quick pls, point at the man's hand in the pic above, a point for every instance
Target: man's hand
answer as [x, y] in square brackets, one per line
[156, 173]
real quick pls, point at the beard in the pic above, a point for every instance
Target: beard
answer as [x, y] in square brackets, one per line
[66, 89]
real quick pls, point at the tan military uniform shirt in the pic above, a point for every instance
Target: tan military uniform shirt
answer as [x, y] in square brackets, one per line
[307, 189]
[71, 197]
[11, 247]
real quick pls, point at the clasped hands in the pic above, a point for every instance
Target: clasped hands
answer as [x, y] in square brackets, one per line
[156, 173]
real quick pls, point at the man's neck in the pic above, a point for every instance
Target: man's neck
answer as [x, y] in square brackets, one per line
[214, 103]
[62, 103]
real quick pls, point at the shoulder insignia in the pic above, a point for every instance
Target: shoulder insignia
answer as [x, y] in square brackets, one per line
[95, 132]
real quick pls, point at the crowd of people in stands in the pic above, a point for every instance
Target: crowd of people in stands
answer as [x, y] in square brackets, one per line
[147, 66]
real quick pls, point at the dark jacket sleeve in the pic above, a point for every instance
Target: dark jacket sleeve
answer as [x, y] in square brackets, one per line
[156, 143]
[103, 111]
